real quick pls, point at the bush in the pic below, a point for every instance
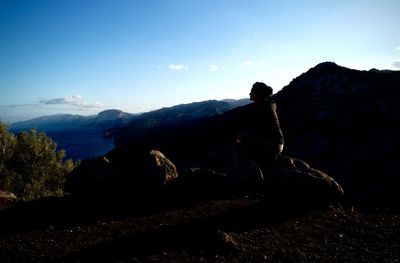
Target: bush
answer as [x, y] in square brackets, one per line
[30, 165]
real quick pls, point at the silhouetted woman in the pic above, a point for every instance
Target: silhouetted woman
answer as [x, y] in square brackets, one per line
[259, 136]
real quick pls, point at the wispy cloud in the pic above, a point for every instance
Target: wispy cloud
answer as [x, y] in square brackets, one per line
[213, 68]
[14, 106]
[397, 48]
[396, 63]
[76, 100]
[178, 67]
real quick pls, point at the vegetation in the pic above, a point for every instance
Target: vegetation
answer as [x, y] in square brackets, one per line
[30, 165]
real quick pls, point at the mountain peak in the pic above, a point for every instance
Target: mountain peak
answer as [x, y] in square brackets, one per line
[112, 114]
[327, 64]
[110, 111]
[327, 67]
[328, 79]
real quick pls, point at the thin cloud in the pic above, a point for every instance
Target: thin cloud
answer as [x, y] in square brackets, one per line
[14, 106]
[397, 48]
[77, 101]
[178, 67]
[213, 68]
[396, 64]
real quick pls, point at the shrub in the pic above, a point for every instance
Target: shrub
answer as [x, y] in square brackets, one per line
[7, 144]
[30, 165]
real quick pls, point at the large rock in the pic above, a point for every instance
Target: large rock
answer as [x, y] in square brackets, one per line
[160, 168]
[282, 180]
[7, 199]
[199, 183]
[91, 177]
[286, 181]
[141, 172]
[247, 177]
[294, 181]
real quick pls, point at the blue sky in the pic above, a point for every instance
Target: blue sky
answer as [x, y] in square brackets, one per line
[81, 56]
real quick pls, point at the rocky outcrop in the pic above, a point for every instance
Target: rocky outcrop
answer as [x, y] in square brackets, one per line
[7, 199]
[282, 180]
[302, 186]
[92, 177]
[160, 168]
[285, 179]
[138, 172]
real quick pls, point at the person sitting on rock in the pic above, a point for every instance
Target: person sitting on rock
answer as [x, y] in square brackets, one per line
[258, 134]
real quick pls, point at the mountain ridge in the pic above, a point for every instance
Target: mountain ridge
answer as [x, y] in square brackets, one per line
[111, 118]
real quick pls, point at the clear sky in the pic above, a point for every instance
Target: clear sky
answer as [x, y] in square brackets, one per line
[84, 56]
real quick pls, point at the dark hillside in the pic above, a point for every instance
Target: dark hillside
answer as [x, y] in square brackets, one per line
[345, 122]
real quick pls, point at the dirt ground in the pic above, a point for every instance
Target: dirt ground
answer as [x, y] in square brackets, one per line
[236, 229]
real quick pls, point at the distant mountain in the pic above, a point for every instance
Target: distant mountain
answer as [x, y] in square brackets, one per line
[172, 116]
[53, 122]
[237, 103]
[82, 136]
[178, 113]
[112, 118]
[107, 118]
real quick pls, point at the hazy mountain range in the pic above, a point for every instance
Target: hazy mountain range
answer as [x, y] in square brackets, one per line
[105, 118]
[115, 118]
[84, 136]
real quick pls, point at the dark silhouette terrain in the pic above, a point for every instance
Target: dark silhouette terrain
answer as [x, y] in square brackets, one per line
[340, 120]
[132, 206]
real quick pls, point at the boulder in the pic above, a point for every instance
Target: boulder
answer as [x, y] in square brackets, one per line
[91, 177]
[283, 181]
[161, 168]
[199, 183]
[7, 199]
[143, 171]
[299, 183]
[247, 177]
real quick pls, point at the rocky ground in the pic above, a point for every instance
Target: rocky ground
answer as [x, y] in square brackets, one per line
[157, 229]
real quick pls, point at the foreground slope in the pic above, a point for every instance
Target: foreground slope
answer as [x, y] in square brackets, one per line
[238, 229]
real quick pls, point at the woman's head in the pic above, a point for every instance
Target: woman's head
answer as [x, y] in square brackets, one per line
[260, 91]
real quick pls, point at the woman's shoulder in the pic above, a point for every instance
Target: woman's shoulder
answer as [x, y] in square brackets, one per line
[270, 104]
